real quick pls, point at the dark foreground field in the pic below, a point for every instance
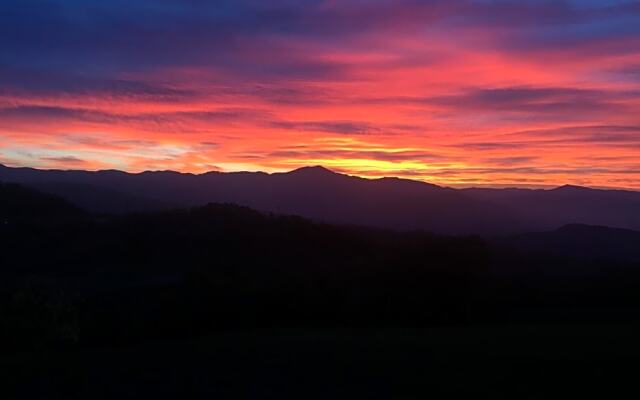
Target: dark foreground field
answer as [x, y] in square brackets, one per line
[224, 302]
[516, 361]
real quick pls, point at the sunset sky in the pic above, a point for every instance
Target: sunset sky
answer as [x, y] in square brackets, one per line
[454, 92]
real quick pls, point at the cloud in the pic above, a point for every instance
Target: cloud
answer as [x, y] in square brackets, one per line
[489, 145]
[64, 160]
[534, 100]
[391, 156]
[453, 91]
[506, 161]
[596, 134]
[23, 82]
[251, 37]
[176, 121]
[339, 127]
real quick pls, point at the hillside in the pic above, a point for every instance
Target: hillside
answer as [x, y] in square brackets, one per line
[323, 195]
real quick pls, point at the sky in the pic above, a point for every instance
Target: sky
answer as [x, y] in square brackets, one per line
[453, 92]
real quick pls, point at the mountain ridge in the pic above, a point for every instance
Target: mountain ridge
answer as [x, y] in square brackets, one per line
[320, 169]
[582, 241]
[321, 194]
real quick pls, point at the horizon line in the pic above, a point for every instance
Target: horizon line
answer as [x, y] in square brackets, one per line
[450, 186]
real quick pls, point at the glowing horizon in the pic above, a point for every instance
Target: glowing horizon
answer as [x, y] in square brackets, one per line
[456, 93]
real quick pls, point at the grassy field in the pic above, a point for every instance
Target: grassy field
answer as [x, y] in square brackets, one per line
[502, 361]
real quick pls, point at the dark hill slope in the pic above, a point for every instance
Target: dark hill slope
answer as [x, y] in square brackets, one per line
[20, 202]
[312, 192]
[582, 241]
[320, 194]
[552, 209]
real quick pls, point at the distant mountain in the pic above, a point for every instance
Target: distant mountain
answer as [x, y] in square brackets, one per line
[551, 209]
[320, 194]
[101, 199]
[581, 241]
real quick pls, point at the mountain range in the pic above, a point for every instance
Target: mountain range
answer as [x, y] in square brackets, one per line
[323, 195]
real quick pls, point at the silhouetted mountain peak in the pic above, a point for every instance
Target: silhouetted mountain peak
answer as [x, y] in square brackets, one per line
[575, 227]
[166, 172]
[404, 181]
[593, 229]
[210, 173]
[571, 188]
[115, 172]
[316, 170]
